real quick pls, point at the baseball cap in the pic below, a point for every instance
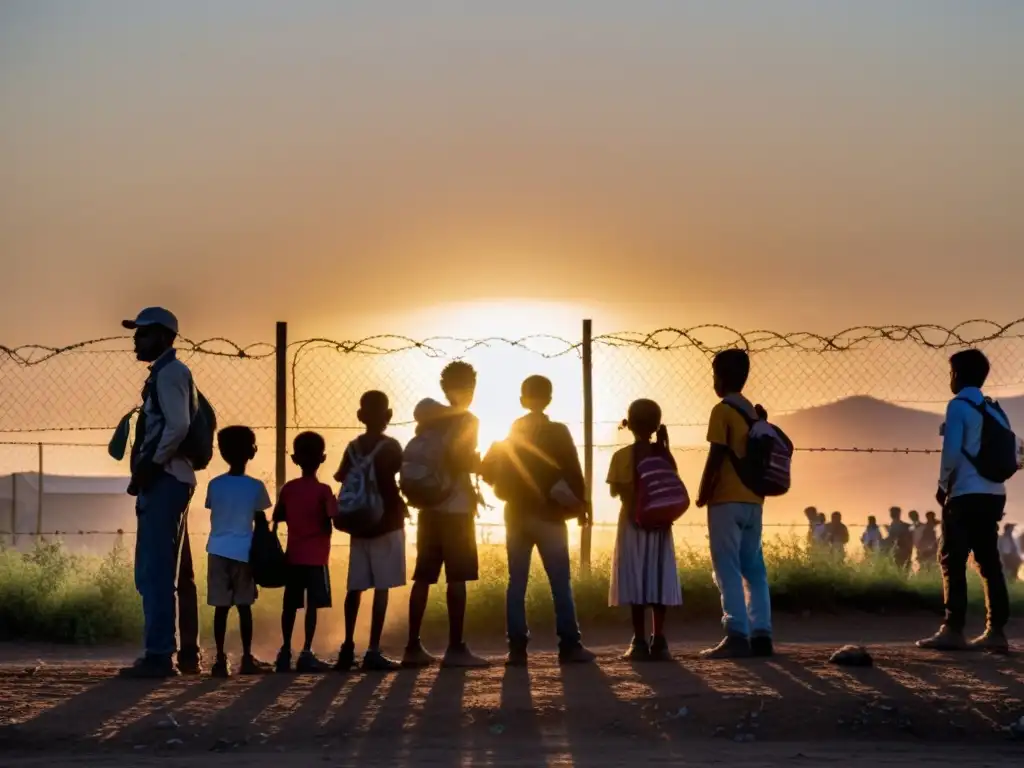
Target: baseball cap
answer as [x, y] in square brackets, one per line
[153, 316]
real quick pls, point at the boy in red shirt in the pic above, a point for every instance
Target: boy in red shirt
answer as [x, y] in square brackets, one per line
[306, 506]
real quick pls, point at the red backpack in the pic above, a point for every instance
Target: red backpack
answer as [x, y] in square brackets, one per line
[661, 496]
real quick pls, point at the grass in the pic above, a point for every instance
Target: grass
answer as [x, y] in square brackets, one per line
[51, 595]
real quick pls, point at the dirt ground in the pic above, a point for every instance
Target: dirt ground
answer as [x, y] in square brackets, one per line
[911, 707]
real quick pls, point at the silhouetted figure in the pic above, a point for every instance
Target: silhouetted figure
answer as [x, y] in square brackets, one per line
[972, 506]
[871, 539]
[811, 513]
[838, 536]
[1008, 553]
[900, 540]
[926, 542]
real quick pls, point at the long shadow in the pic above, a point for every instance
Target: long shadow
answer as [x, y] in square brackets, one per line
[85, 713]
[388, 735]
[233, 723]
[517, 711]
[441, 720]
[344, 721]
[593, 710]
[151, 721]
[303, 721]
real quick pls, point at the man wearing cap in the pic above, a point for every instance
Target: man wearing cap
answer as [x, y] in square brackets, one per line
[163, 482]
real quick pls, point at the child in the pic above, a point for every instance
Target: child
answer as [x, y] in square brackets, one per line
[537, 473]
[446, 536]
[234, 500]
[377, 557]
[644, 570]
[734, 516]
[306, 506]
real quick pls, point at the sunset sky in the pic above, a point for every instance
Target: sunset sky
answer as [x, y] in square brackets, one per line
[353, 166]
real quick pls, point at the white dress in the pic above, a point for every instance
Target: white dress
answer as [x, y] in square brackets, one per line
[644, 565]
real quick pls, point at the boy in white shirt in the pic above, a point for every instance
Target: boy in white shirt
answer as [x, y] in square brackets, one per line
[234, 500]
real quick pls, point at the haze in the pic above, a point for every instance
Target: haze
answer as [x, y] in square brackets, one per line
[344, 166]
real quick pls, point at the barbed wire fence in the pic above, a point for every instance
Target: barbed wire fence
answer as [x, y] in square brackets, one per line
[863, 405]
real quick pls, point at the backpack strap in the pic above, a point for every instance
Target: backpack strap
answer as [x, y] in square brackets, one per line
[742, 412]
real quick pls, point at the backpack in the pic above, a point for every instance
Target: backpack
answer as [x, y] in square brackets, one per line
[999, 456]
[198, 445]
[526, 470]
[766, 468]
[425, 479]
[266, 555]
[661, 496]
[360, 504]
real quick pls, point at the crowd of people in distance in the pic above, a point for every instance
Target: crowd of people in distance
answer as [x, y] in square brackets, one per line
[905, 542]
[536, 472]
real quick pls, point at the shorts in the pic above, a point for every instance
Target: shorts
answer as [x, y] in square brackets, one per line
[377, 563]
[307, 586]
[229, 583]
[448, 540]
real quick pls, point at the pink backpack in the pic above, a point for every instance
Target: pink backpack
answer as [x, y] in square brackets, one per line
[661, 496]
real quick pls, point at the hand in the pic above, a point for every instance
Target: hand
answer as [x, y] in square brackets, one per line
[941, 496]
[701, 502]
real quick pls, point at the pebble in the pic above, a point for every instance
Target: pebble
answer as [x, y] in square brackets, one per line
[168, 723]
[174, 742]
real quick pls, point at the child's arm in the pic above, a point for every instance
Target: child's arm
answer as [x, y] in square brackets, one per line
[718, 437]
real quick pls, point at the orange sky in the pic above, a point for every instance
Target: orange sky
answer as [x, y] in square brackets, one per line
[789, 165]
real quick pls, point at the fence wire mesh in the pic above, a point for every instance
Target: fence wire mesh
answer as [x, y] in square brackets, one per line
[863, 405]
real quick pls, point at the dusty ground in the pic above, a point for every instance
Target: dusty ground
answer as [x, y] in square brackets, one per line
[912, 706]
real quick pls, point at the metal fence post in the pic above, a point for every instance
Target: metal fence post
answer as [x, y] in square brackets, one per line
[281, 409]
[39, 502]
[14, 509]
[588, 445]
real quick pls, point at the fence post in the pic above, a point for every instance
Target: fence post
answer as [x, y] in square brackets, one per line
[14, 509]
[39, 503]
[281, 408]
[588, 445]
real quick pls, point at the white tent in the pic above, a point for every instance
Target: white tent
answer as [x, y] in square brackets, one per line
[72, 507]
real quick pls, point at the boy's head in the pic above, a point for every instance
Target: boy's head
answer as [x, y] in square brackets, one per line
[967, 369]
[374, 411]
[837, 517]
[929, 517]
[872, 521]
[309, 451]
[237, 446]
[914, 517]
[458, 382]
[731, 368]
[535, 394]
[811, 513]
[895, 513]
[821, 518]
[644, 418]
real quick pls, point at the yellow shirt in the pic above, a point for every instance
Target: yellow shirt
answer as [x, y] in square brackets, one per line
[727, 427]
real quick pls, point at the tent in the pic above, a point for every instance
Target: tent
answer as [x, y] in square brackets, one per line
[82, 511]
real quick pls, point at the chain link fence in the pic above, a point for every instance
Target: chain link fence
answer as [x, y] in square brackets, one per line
[863, 406]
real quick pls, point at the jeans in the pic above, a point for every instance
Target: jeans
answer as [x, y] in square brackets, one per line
[738, 560]
[523, 533]
[161, 512]
[970, 523]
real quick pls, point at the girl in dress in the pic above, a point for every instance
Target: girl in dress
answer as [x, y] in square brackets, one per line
[644, 566]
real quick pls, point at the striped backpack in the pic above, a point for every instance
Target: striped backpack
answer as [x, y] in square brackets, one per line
[661, 496]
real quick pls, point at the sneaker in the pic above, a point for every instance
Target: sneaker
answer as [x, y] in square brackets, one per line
[460, 656]
[731, 647]
[309, 664]
[517, 657]
[638, 650]
[150, 668]
[946, 639]
[416, 657]
[761, 646]
[283, 664]
[253, 666]
[659, 649]
[577, 654]
[221, 668]
[375, 661]
[346, 658]
[992, 641]
[190, 663]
